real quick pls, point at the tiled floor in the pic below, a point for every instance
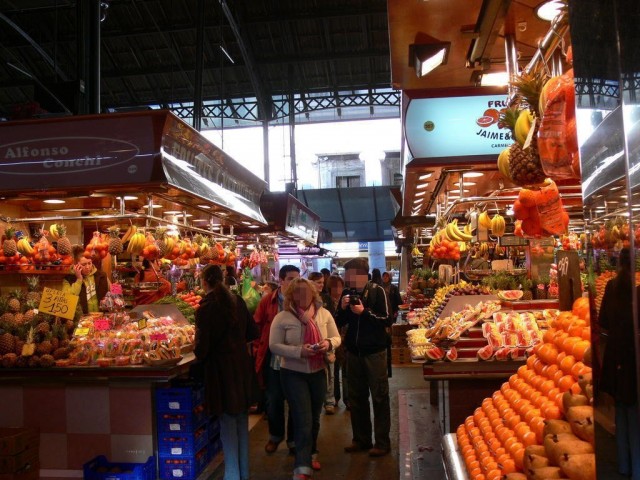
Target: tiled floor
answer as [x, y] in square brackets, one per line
[335, 434]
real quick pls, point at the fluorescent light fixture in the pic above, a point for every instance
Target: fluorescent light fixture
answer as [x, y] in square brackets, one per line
[428, 56]
[466, 184]
[200, 220]
[494, 79]
[246, 223]
[473, 174]
[172, 212]
[155, 205]
[54, 201]
[254, 226]
[421, 194]
[204, 206]
[426, 176]
[422, 186]
[549, 10]
[129, 197]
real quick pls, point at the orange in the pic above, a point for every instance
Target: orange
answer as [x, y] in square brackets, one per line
[509, 443]
[581, 307]
[534, 412]
[575, 328]
[547, 336]
[568, 343]
[551, 371]
[551, 412]
[494, 475]
[504, 387]
[565, 383]
[518, 457]
[559, 337]
[475, 473]
[575, 389]
[522, 371]
[521, 428]
[577, 369]
[537, 427]
[508, 466]
[560, 357]
[541, 400]
[557, 376]
[546, 387]
[514, 448]
[580, 348]
[467, 449]
[567, 363]
[503, 457]
[472, 465]
[531, 360]
[529, 438]
[538, 379]
[586, 333]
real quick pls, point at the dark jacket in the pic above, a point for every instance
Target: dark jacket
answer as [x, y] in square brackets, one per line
[619, 377]
[366, 333]
[221, 345]
[102, 287]
[393, 294]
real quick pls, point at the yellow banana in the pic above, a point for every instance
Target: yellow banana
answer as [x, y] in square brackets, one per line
[53, 231]
[451, 231]
[129, 233]
[484, 220]
[462, 236]
[467, 229]
[24, 247]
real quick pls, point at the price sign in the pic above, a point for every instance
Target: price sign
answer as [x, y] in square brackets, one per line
[116, 289]
[101, 323]
[58, 303]
[569, 284]
[158, 337]
[81, 332]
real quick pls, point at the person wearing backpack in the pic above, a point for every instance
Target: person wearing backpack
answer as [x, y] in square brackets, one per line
[365, 311]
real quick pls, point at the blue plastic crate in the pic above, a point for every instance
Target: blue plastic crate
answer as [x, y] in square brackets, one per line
[178, 399]
[180, 423]
[186, 467]
[183, 444]
[101, 469]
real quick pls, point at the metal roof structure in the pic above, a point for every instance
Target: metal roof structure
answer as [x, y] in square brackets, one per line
[260, 59]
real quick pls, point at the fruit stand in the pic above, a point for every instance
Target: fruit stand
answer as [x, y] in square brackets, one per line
[130, 186]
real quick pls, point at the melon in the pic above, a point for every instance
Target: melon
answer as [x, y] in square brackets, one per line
[503, 353]
[434, 354]
[485, 353]
[452, 355]
[510, 295]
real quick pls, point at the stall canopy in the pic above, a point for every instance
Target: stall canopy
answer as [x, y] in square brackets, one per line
[287, 217]
[362, 214]
[152, 152]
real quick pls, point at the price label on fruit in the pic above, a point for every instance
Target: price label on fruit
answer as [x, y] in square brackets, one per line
[101, 323]
[58, 303]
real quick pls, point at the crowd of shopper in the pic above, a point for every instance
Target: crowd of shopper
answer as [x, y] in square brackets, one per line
[315, 341]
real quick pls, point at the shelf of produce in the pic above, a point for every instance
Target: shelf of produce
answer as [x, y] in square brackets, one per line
[453, 462]
[96, 373]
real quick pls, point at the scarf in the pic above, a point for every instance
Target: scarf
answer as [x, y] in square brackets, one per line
[311, 335]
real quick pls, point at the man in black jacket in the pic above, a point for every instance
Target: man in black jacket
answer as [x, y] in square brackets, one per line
[365, 310]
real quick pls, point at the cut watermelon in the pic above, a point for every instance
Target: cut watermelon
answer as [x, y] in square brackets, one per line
[452, 355]
[485, 353]
[510, 295]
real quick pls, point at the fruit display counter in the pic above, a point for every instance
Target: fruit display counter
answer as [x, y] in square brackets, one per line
[540, 422]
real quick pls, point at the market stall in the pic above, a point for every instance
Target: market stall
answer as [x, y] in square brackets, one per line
[128, 187]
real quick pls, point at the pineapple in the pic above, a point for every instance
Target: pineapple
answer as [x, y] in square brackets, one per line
[45, 347]
[161, 236]
[7, 343]
[9, 246]
[22, 361]
[47, 361]
[30, 314]
[9, 360]
[524, 164]
[33, 361]
[60, 353]
[63, 245]
[29, 348]
[14, 304]
[115, 243]
[18, 318]
[19, 343]
[43, 328]
[33, 290]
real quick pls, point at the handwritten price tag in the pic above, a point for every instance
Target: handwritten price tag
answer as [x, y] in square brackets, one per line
[116, 289]
[58, 303]
[81, 332]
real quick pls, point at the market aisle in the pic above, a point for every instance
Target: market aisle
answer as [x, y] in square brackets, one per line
[335, 434]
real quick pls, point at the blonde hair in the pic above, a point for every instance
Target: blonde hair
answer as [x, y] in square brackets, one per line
[289, 303]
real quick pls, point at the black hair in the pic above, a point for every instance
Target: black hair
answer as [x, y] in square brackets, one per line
[360, 264]
[286, 269]
[325, 271]
[145, 266]
[231, 271]
[225, 301]
[376, 276]
[315, 276]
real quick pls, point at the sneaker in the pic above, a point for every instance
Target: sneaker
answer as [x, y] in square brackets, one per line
[271, 447]
[301, 476]
[378, 452]
[315, 464]
[356, 447]
[329, 410]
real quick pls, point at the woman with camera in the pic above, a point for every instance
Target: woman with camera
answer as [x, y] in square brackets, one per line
[301, 334]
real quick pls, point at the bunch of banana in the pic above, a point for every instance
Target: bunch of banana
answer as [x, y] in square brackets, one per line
[136, 243]
[484, 220]
[416, 251]
[53, 231]
[453, 232]
[24, 247]
[128, 234]
[497, 225]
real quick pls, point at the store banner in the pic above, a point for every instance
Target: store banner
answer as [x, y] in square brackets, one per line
[195, 165]
[79, 151]
[456, 126]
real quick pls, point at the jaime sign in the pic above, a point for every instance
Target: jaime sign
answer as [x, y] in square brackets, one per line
[456, 126]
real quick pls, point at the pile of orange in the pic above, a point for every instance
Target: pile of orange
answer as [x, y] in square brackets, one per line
[493, 439]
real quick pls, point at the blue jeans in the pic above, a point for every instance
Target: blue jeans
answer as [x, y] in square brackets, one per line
[330, 399]
[234, 434]
[305, 393]
[628, 440]
[275, 408]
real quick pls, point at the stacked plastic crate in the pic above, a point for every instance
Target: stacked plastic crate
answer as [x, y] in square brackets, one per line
[183, 432]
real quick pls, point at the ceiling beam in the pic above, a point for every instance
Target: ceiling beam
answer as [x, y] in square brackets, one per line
[264, 101]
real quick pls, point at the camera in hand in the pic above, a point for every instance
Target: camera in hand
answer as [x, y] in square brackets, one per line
[354, 298]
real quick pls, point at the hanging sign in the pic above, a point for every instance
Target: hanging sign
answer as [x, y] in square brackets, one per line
[569, 284]
[58, 303]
